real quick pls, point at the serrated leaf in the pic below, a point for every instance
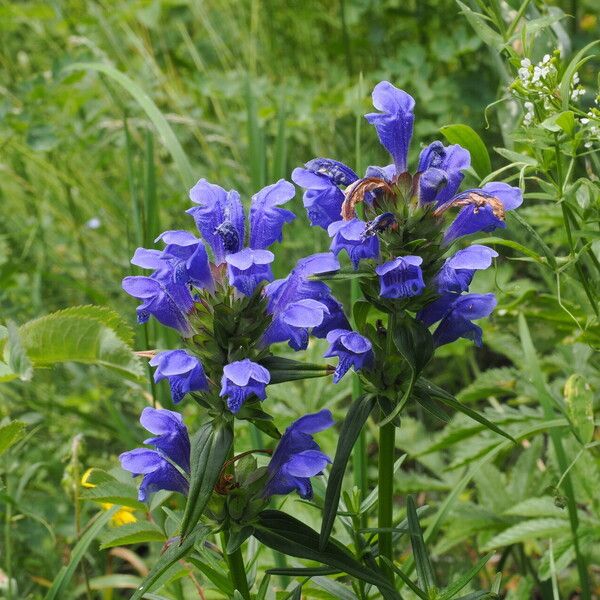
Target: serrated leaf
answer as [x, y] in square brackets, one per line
[284, 533]
[78, 335]
[10, 434]
[544, 506]
[527, 530]
[355, 420]
[210, 449]
[132, 533]
[466, 137]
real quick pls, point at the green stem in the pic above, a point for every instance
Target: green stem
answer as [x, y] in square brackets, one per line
[387, 439]
[237, 570]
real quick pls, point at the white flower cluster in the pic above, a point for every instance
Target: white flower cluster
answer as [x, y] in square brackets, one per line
[538, 85]
[591, 123]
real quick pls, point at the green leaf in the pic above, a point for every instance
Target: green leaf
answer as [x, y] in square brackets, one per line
[351, 427]
[528, 530]
[58, 590]
[210, 449]
[174, 553]
[422, 562]
[579, 401]
[290, 536]
[132, 533]
[78, 335]
[360, 312]
[162, 125]
[461, 582]
[10, 434]
[479, 23]
[413, 341]
[466, 137]
[303, 571]
[287, 369]
[449, 400]
[115, 492]
[564, 121]
[576, 62]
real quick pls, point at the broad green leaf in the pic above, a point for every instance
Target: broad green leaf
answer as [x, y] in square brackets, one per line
[351, 427]
[466, 137]
[10, 434]
[424, 569]
[516, 157]
[58, 590]
[174, 553]
[579, 401]
[77, 335]
[132, 533]
[360, 312]
[162, 125]
[528, 530]
[115, 492]
[210, 449]
[284, 533]
[544, 506]
[413, 341]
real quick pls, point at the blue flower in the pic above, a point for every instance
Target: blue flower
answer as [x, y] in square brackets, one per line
[188, 258]
[247, 268]
[350, 236]
[160, 466]
[440, 171]
[298, 457]
[298, 304]
[167, 301]
[457, 272]
[455, 314]
[394, 124]
[401, 277]
[219, 216]
[183, 371]
[323, 198]
[481, 209]
[242, 379]
[353, 350]
[266, 218]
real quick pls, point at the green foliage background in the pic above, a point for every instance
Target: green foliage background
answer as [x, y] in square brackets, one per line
[252, 89]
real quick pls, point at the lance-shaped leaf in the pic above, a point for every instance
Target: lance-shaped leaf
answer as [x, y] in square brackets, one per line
[286, 534]
[424, 569]
[209, 451]
[437, 393]
[351, 427]
[286, 369]
[174, 553]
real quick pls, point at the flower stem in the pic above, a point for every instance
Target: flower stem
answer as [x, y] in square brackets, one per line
[387, 439]
[237, 569]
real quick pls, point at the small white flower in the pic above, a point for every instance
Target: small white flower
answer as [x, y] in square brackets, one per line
[93, 223]
[546, 59]
[584, 121]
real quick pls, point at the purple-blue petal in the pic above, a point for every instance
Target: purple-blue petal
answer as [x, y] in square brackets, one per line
[266, 218]
[394, 124]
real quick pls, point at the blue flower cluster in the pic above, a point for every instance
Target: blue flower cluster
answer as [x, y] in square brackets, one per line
[333, 190]
[399, 242]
